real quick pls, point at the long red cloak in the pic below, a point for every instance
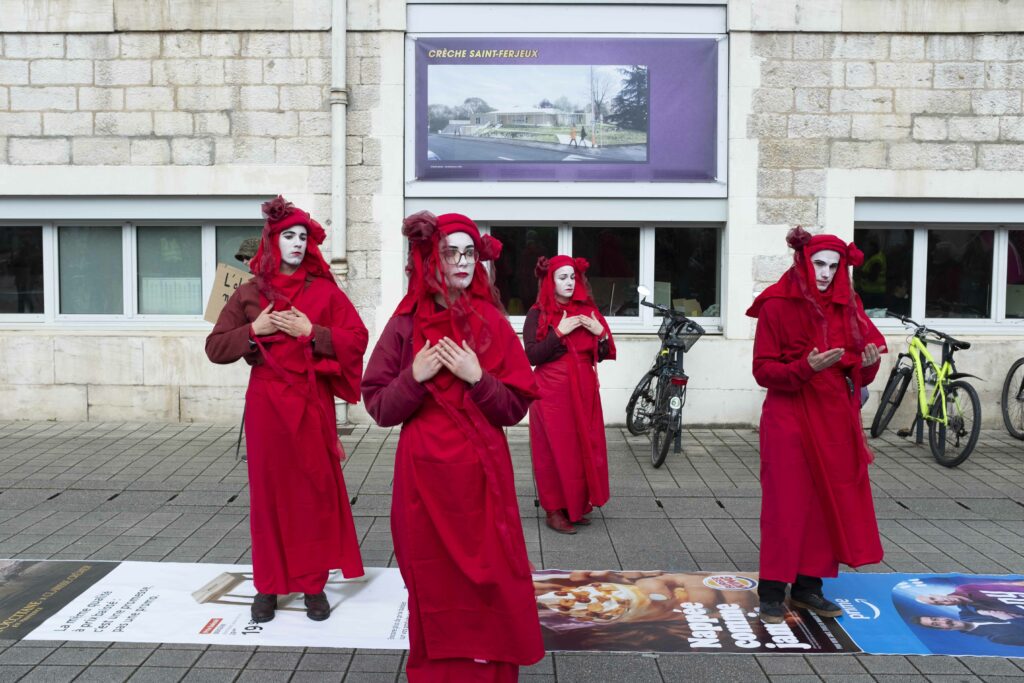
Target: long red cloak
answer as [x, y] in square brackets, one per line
[567, 440]
[300, 517]
[816, 504]
[454, 513]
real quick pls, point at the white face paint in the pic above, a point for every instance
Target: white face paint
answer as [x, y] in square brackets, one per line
[458, 247]
[292, 243]
[826, 263]
[565, 282]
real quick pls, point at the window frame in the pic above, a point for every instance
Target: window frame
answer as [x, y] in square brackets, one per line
[646, 322]
[996, 322]
[129, 316]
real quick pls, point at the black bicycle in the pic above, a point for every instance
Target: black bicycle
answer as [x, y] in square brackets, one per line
[1013, 400]
[656, 405]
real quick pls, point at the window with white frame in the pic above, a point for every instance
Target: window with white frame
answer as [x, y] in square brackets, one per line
[113, 271]
[679, 264]
[948, 271]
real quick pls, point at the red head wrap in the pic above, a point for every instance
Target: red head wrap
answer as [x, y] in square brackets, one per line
[266, 264]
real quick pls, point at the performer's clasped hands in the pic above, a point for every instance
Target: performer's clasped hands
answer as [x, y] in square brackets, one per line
[590, 323]
[821, 360]
[292, 322]
[461, 361]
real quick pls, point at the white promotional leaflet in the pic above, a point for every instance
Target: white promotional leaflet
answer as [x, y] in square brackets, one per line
[168, 602]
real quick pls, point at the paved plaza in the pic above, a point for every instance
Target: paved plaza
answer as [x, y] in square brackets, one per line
[174, 492]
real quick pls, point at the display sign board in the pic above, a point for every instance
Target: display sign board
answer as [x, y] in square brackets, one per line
[225, 282]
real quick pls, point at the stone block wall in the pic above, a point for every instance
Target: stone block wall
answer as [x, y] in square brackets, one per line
[178, 99]
[877, 101]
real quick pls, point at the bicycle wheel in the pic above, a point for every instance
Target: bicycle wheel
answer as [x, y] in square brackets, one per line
[953, 442]
[892, 395]
[664, 426]
[641, 405]
[1013, 400]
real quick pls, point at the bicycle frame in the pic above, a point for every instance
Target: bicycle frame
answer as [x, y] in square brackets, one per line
[919, 354]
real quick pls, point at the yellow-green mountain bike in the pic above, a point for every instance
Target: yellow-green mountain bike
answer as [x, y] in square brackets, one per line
[948, 404]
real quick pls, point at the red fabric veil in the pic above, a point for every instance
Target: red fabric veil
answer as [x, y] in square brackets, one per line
[581, 303]
[799, 283]
[266, 264]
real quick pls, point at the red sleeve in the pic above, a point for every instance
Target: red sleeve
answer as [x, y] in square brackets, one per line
[770, 370]
[390, 393]
[344, 341]
[505, 396]
[229, 339]
[544, 350]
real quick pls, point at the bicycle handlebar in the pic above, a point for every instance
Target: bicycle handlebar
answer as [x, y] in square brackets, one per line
[922, 330]
[672, 313]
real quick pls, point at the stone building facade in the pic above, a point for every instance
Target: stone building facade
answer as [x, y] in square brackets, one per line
[843, 115]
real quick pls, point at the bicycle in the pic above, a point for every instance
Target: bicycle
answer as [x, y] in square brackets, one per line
[656, 404]
[949, 405]
[1013, 400]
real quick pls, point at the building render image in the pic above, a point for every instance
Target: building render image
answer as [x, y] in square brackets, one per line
[673, 145]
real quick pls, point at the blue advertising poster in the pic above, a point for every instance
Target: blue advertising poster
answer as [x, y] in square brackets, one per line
[942, 614]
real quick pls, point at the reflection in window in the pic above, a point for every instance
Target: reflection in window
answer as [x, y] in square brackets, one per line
[90, 270]
[686, 270]
[1015, 274]
[614, 255]
[513, 274]
[959, 276]
[885, 281]
[170, 270]
[229, 239]
[21, 270]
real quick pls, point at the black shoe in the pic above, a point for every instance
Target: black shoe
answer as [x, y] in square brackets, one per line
[317, 607]
[817, 603]
[263, 606]
[772, 612]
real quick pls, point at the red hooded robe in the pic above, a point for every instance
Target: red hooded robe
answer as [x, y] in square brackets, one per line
[567, 441]
[300, 517]
[454, 513]
[816, 505]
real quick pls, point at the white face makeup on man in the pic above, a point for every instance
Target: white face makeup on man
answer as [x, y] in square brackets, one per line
[565, 283]
[458, 260]
[292, 243]
[826, 263]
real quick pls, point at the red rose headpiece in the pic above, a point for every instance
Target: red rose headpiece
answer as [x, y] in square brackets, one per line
[280, 215]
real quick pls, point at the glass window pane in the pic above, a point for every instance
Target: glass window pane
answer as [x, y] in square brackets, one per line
[170, 270]
[886, 279]
[21, 270]
[959, 274]
[686, 269]
[90, 270]
[614, 255]
[513, 274]
[1015, 275]
[229, 239]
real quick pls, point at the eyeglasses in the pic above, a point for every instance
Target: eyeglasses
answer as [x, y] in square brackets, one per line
[452, 256]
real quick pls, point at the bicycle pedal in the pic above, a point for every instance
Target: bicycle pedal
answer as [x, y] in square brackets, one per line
[904, 433]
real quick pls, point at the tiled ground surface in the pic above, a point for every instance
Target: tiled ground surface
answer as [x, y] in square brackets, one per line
[174, 492]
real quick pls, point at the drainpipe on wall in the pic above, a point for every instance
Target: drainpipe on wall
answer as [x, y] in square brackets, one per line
[339, 138]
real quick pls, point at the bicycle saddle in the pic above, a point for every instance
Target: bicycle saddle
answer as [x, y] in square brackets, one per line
[958, 345]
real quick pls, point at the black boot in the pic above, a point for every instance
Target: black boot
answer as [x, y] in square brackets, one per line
[317, 607]
[772, 595]
[263, 606]
[807, 594]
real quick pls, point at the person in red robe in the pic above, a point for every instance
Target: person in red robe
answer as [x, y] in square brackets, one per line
[305, 343]
[450, 370]
[565, 338]
[813, 351]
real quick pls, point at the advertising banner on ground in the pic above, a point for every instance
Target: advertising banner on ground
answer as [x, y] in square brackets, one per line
[566, 109]
[671, 612]
[948, 614]
[170, 602]
[581, 611]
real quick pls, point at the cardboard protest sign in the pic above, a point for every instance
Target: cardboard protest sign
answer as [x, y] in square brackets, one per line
[225, 282]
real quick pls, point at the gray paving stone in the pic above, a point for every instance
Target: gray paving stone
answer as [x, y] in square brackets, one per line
[52, 674]
[106, 674]
[158, 674]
